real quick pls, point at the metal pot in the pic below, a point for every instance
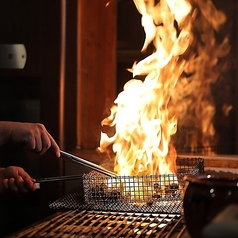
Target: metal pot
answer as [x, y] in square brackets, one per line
[205, 196]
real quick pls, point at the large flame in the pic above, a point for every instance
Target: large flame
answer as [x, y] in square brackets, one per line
[182, 65]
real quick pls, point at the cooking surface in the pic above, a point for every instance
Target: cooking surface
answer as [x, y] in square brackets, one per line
[107, 224]
[82, 213]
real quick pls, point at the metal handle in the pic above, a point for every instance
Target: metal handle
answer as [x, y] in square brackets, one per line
[59, 178]
[89, 164]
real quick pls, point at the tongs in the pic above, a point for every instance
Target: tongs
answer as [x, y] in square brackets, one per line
[59, 178]
[87, 163]
[77, 160]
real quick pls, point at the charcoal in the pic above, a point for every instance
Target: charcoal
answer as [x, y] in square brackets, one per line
[156, 195]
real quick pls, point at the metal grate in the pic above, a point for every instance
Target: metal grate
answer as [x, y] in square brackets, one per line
[108, 225]
[146, 194]
[83, 219]
[160, 193]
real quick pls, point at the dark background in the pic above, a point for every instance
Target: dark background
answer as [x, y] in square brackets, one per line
[33, 93]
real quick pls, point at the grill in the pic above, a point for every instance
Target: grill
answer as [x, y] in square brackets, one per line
[100, 206]
[85, 224]
[155, 193]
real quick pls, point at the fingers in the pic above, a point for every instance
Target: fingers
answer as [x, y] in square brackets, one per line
[17, 185]
[15, 180]
[25, 180]
[38, 139]
[44, 141]
[54, 146]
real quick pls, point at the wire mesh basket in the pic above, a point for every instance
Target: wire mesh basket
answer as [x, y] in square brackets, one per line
[153, 193]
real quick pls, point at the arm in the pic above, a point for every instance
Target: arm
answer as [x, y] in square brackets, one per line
[14, 179]
[32, 136]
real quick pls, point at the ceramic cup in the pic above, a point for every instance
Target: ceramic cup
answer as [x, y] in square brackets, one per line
[205, 196]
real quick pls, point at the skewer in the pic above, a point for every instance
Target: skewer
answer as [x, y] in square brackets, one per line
[89, 164]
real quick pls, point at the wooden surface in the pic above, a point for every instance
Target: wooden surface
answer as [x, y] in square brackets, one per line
[217, 162]
[96, 68]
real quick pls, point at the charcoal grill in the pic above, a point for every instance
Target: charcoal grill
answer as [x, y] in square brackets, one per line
[85, 224]
[88, 212]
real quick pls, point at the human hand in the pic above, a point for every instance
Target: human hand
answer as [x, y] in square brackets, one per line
[15, 179]
[33, 136]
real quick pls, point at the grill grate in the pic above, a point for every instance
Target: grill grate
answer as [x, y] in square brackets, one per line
[84, 214]
[84, 224]
[146, 194]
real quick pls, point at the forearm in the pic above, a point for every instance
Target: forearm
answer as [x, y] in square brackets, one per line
[5, 131]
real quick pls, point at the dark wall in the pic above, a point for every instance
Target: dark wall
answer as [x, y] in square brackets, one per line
[33, 94]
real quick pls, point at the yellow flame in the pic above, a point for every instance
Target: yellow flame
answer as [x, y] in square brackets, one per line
[176, 85]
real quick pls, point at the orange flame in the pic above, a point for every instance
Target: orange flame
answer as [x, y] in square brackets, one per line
[146, 113]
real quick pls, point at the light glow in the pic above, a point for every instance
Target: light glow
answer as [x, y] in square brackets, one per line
[175, 88]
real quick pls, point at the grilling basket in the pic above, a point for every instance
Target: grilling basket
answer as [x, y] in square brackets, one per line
[102, 190]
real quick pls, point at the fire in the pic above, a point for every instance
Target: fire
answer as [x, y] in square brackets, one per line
[176, 86]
